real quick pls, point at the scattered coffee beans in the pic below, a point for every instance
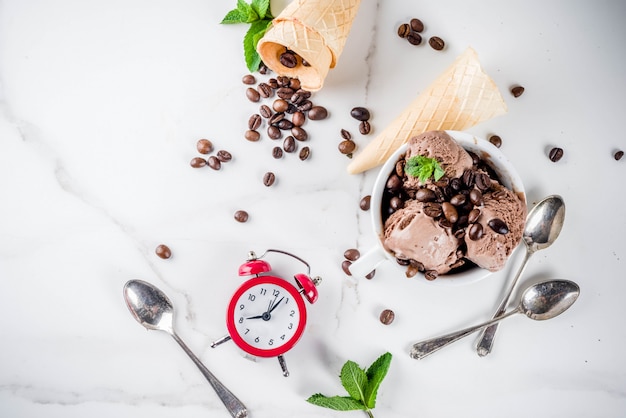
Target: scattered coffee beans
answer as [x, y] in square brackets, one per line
[347, 147]
[365, 202]
[299, 133]
[404, 30]
[274, 133]
[265, 111]
[345, 134]
[214, 163]
[252, 136]
[241, 216]
[345, 266]
[352, 254]
[517, 91]
[416, 25]
[436, 43]
[204, 146]
[289, 144]
[298, 118]
[414, 38]
[277, 152]
[318, 113]
[254, 122]
[495, 140]
[555, 154]
[197, 162]
[387, 316]
[224, 156]
[265, 90]
[618, 155]
[248, 79]
[364, 127]
[252, 94]
[360, 113]
[305, 153]
[163, 251]
[269, 178]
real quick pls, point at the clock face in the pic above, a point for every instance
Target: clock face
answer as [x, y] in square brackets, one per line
[266, 316]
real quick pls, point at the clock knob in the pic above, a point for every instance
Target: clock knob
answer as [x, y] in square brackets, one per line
[253, 267]
[307, 286]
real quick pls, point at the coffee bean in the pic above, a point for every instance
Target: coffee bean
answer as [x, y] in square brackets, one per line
[214, 163]
[473, 215]
[411, 270]
[345, 266]
[618, 155]
[283, 81]
[305, 106]
[224, 156]
[403, 30]
[288, 60]
[517, 91]
[482, 181]
[365, 202]
[305, 153]
[252, 94]
[248, 79]
[394, 183]
[294, 83]
[387, 316]
[241, 216]
[298, 118]
[277, 152]
[432, 209]
[276, 117]
[280, 105]
[318, 113]
[476, 197]
[414, 38]
[305, 63]
[289, 144]
[370, 275]
[416, 25]
[265, 111]
[345, 134]
[456, 184]
[263, 68]
[396, 203]
[360, 113]
[273, 83]
[499, 195]
[450, 212]
[204, 146]
[364, 127]
[425, 195]
[496, 140]
[292, 108]
[274, 133]
[254, 122]
[347, 147]
[299, 133]
[197, 162]
[403, 261]
[499, 226]
[555, 154]
[475, 157]
[400, 167]
[269, 178]
[163, 251]
[431, 275]
[284, 124]
[265, 90]
[352, 254]
[436, 43]
[458, 199]
[468, 178]
[475, 232]
[252, 136]
[285, 93]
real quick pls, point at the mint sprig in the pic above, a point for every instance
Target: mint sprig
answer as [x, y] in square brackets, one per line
[362, 386]
[258, 15]
[423, 168]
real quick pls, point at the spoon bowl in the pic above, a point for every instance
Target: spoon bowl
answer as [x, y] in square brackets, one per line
[543, 226]
[542, 301]
[153, 309]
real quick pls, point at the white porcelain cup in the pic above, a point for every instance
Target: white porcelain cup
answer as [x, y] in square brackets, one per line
[489, 153]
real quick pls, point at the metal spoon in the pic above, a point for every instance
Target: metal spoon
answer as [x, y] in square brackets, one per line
[541, 301]
[543, 226]
[152, 309]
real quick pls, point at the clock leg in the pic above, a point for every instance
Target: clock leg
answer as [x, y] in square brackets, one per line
[220, 341]
[283, 365]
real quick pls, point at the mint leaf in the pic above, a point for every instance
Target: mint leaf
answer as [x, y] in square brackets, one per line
[234, 16]
[353, 378]
[375, 375]
[423, 168]
[247, 11]
[250, 40]
[338, 403]
[262, 8]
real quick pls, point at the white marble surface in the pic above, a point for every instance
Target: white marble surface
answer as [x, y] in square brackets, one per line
[101, 103]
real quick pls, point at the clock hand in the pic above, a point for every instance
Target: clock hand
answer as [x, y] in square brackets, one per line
[276, 305]
[256, 317]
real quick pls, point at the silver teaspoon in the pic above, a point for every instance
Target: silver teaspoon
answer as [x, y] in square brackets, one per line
[152, 309]
[541, 301]
[543, 226]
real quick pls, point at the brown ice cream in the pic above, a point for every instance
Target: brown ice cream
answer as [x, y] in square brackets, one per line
[466, 218]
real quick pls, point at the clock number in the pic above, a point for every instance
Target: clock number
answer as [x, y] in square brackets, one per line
[256, 340]
[251, 297]
[241, 306]
[286, 301]
[276, 292]
[241, 320]
[290, 325]
[247, 330]
[271, 342]
[282, 337]
[292, 313]
[263, 291]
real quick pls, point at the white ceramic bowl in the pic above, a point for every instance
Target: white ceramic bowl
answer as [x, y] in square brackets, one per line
[489, 153]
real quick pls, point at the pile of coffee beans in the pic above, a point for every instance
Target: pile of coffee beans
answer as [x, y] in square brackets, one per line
[363, 116]
[412, 33]
[454, 203]
[205, 147]
[288, 111]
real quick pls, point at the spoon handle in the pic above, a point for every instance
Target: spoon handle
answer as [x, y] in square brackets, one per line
[236, 408]
[488, 334]
[425, 348]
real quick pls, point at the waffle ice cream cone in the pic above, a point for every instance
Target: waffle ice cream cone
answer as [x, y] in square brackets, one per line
[461, 97]
[314, 29]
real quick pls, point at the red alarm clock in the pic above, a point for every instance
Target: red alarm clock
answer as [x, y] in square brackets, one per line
[267, 315]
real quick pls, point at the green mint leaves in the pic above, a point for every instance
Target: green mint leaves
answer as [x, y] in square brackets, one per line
[423, 168]
[362, 386]
[258, 15]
